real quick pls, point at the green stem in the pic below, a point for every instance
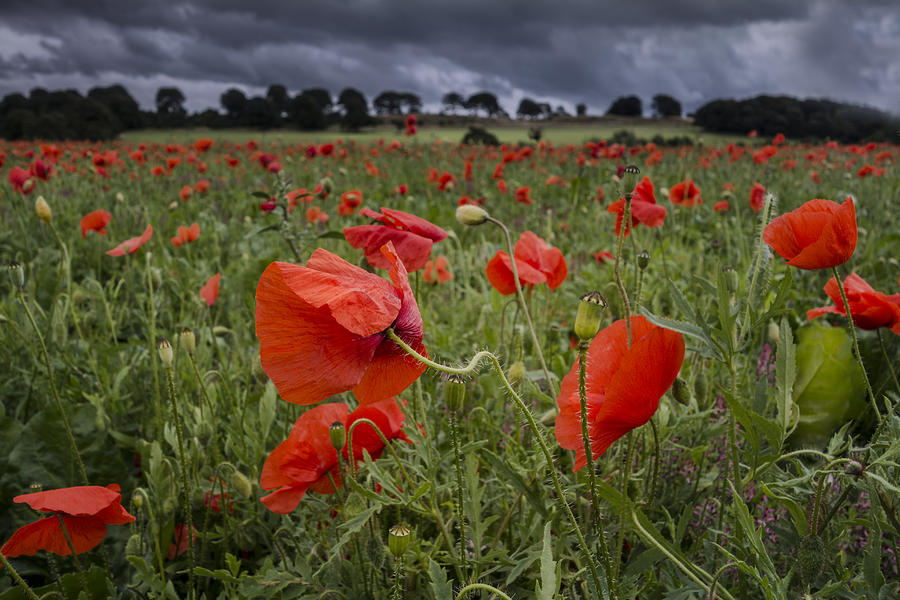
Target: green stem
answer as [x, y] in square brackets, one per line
[154, 356]
[764, 219]
[852, 328]
[460, 507]
[656, 462]
[398, 574]
[54, 392]
[155, 530]
[626, 501]
[626, 225]
[18, 579]
[481, 586]
[185, 480]
[384, 440]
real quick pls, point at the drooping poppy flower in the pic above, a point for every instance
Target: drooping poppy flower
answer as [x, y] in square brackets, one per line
[85, 510]
[870, 309]
[685, 193]
[523, 195]
[210, 290]
[40, 170]
[321, 329]
[624, 385]
[721, 206]
[757, 197]
[436, 271]
[307, 458]
[186, 235]
[130, 246]
[412, 237]
[644, 208]
[818, 235]
[95, 221]
[536, 262]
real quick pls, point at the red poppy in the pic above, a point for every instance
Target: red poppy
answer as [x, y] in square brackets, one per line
[40, 170]
[818, 235]
[644, 208]
[624, 385]
[721, 206]
[436, 271]
[757, 197]
[349, 202]
[536, 262]
[870, 309]
[202, 186]
[412, 236]
[305, 460]
[314, 214]
[179, 544]
[321, 329]
[210, 290]
[131, 246]
[523, 195]
[185, 193]
[186, 235]
[685, 193]
[446, 181]
[202, 145]
[85, 510]
[95, 221]
[21, 180]
[603, 256]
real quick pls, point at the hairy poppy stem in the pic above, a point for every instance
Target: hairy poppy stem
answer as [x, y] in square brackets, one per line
[538, 435]
[481, 586]
[78, 567]
[757, 264]
[626, 224]
[460, 509]
[155, 529]
[384, 441]
[852, 327]
[59, 405]
[521, 296]
[626, 508]
[18, 579]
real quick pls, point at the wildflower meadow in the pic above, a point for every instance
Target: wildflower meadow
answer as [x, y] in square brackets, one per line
[409, 368]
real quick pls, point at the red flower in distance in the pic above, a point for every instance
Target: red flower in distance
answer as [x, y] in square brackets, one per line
[412, 237]
[523, 195]
[603, 256]
[757, 197]
[202, 145]
[721, 206]
[818, 235]
[321, 329]
[349, 201]
[685, 193]
[644, 208]
[85, 510]
[870, 309]
[21, 180]
[536, 262]
[186, 235]
[436, 271]
[210, 290]
[305, 460]
[624, 385]
[130, 246]
[95, 221]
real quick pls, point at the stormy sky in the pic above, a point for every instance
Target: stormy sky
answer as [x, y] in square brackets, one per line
[559, 51]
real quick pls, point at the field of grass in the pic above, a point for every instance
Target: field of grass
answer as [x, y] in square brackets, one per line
[221, 331]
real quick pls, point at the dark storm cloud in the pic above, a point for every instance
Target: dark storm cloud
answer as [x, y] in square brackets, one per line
[558, 51]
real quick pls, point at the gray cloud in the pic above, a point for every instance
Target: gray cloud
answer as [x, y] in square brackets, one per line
[561, 52]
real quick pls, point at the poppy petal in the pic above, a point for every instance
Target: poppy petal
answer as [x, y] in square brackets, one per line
[210, 290]
[85, 534]
[85, 500]
[415, 249]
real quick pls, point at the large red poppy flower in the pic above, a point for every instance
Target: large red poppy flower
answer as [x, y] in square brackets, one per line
[644, 208]
[536, 262]
[321, 329]
[685, 193]
[86, 511]
[818, 235]
[95, 221]
[210, 290]
[412, 237]
[131, 246]
[757, 197]
[624, 384]
[305, 460]
[870, 309]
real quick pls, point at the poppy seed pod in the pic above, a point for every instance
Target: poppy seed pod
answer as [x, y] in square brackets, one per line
[338, 435]
[471, 214]
[16, 275]
[629, 179]
[398, 540]
[188, 340]
[643, 259]
[811, 557]
[166, 355]
[732, 281]
[516, 372]
[455, 392]
[43, 210]
[588, 319]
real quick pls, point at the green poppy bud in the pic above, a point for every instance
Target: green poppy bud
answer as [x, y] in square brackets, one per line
[43, 210]
[455, 393]
[133, 546]
[188, 340]
[241, 484]
[166, 355]
[16, 275]
[701, 385]
[516, 372]
[589, 316]
[338, 434]
[398, 540]
[643, 259]
[680, 391]
[811, 558]
[732, 281]
[471, 214]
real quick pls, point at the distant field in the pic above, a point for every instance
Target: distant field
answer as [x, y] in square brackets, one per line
[562, 134]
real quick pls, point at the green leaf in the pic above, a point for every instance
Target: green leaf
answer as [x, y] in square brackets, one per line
[785, 374]
[440, 587]
[742, 516]
[797, 513]
[330, 235]
[549, 582]
[506, 473]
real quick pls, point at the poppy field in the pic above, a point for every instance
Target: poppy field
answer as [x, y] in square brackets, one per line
[411, 368]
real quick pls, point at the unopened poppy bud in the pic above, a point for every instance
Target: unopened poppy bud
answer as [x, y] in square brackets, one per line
[120, 197]
[588, 318]
[854, 467]
[133, 546]
[166, 355]
[700, 385]
[398, 540]
[773, 333]
[241, 484]
[680, 391]
[43, 210]
[188, 340]
[471, 214]
[137, 500]
[629, 179]
[643, 259]
[204, 432]
[173, 205]
[732, 281]
[16, 275]
[338, 435]
[455, 392]
[811, 558]
[516, 372]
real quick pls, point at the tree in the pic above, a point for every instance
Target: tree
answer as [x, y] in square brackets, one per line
[260, 114]
[278, 97]
[234, 102]
[485, 101]
[321, 96]
[387, 103]
[453, 101]
[170, 101]
[528, 109]
[356, 109]
[626, 106]
[664, 105]
[120, 103]
[412, 102]
[581, 109]
[305, 111]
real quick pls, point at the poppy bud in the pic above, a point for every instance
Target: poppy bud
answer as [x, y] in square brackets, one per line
[588, 318]
[43, 210]
[700, 385]
[338, 434]
[166, 355]
[173, 205]
[455, 392]
[629, 179]
[137, 500]
[16, 275]
[811, 558]
[773, 332]
[398, 540]
[550, 416]
[133, 546]
[516, 372]
[327, 185]
[732, 282]
[120, 197]
[643, 259]
[854, 467]
[241, 484]
[188, 340]
[471, 214]
[680, 391]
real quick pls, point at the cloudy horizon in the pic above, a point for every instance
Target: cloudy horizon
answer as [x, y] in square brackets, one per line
[562, 53]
